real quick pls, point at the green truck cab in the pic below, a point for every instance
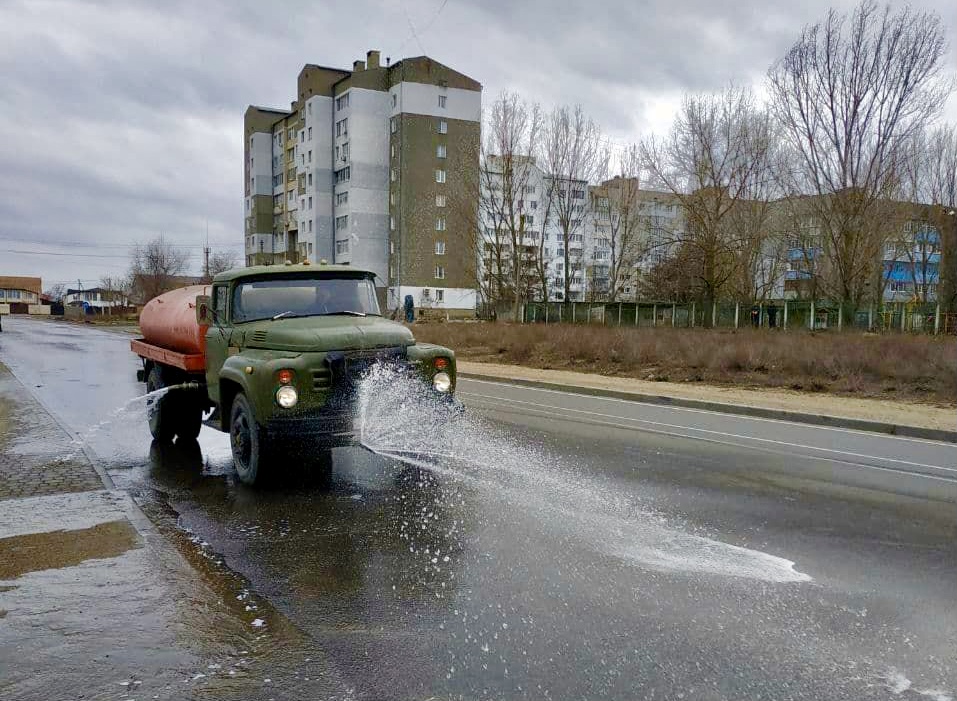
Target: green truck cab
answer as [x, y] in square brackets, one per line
[285, 349]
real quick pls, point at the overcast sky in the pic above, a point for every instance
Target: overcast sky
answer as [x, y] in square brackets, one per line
[123, 120]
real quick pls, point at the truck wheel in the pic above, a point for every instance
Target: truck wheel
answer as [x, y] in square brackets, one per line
[245, 440]
[158, 412]
[190, 420]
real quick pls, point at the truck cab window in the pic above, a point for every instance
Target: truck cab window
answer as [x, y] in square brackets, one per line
[219, 302]
[314, 296]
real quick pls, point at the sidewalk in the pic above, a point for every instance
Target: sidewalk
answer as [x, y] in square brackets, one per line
[96, 603]
[917, 420]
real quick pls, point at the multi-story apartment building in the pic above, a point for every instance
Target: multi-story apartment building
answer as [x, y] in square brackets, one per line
[527, 208]
[365, 169]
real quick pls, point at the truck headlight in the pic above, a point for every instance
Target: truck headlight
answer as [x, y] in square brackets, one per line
[442, 382]
[286, 397]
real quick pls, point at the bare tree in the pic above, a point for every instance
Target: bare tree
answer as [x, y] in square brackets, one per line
[573, 153]
[154, 266]
[56, 293]
[941, 192]
[220, 262]
[113, 291]
[848, 95]
[507, 244]
[717, 161]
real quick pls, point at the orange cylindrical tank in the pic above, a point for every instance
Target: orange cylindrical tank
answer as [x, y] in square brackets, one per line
[169, 321]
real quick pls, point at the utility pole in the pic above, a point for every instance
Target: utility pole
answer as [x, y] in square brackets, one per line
[206, 254]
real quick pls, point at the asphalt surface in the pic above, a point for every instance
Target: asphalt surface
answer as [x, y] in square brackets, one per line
[556, 546]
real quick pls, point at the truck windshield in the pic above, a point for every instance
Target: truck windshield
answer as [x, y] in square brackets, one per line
[292, 297]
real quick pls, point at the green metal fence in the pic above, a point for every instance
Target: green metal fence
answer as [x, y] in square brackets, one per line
[781, 314]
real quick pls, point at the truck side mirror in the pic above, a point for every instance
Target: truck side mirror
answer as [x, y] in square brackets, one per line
[204, 310]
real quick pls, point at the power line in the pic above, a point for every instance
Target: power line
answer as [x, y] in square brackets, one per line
[91, 244]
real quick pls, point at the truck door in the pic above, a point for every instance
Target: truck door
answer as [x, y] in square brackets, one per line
[217, 340]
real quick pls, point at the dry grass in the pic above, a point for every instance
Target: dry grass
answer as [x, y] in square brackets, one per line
[916, 368]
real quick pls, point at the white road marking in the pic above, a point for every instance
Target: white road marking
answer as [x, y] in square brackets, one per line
[709, 431]
[712, 412]
[595, 422]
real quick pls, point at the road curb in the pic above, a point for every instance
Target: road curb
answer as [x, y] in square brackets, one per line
[933, 434]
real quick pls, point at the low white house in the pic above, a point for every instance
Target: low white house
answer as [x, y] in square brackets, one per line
[96, 297]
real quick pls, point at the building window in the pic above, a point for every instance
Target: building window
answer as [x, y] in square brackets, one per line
[292, 197]
[342, 102]
[310, 130]
[440, 295]
[310, 203]
[302, 137]
[309, 179]
[439, 272]
[529, 189]
[443, 127]
[440, 151]
[342, 246]
[532, 204]
[342, 197]
[393, 125]
[440, 248]
[302, 204]
[310, 227]
[310, 245]
[440, 176]
[392, 150]
[440, 224]
[442, 101]
[310, 157]
[392, 175]
[309, 110]
[342, 222]
[342, 175]
[392, 223]
[392, 199]
[395, 99]
[342, 127]
[440, 200]
[345, 151]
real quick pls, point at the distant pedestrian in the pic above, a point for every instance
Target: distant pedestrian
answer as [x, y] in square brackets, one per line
[409, 309]
[755, 316]
[772, 317]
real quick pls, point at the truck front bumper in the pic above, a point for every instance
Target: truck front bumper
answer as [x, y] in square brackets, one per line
[322, 429]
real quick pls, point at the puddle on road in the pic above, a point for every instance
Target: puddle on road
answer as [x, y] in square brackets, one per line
[58, 549]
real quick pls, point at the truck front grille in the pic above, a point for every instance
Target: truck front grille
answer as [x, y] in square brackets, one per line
[321, 379]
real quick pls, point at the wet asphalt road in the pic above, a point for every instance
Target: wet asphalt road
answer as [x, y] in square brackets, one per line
[576, 548]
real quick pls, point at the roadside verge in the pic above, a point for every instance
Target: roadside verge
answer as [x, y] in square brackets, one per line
[877, 415]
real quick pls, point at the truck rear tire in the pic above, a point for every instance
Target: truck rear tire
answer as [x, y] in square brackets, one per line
[158, 409]
[177, 413]
[246, 440]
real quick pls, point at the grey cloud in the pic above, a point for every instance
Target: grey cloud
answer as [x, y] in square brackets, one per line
[120, 120]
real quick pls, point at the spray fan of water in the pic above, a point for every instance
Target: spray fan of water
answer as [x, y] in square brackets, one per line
[400, 419]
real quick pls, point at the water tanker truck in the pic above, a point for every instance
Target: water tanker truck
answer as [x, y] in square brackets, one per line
[272, 355]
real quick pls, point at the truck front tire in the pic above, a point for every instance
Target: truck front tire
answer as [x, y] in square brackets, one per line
[245, 439]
